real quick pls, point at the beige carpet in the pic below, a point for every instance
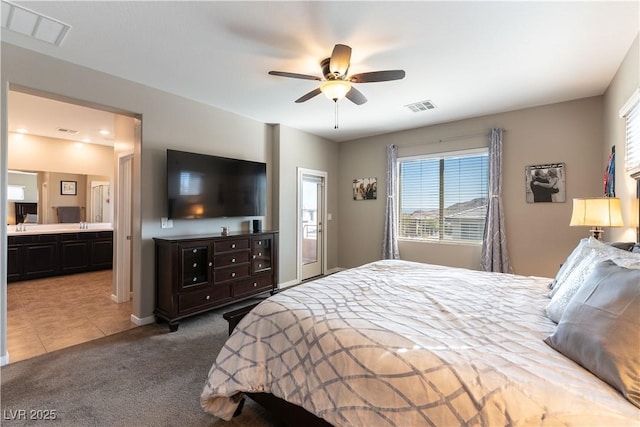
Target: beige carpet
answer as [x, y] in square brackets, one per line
[142, 377]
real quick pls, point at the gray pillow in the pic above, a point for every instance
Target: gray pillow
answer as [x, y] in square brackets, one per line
[592, 253]
[600, 328]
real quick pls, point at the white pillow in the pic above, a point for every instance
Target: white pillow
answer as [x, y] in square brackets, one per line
[590, 255]
[30, 219]
[568, 266]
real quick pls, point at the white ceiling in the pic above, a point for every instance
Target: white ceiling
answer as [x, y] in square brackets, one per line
[469, 58]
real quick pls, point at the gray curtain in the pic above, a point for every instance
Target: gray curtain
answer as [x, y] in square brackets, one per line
[390, 240]
[495, 256]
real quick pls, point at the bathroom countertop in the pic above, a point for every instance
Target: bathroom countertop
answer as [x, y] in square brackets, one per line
[32, 229]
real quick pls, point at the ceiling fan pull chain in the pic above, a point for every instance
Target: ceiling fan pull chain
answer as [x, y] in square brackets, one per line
[336, 114]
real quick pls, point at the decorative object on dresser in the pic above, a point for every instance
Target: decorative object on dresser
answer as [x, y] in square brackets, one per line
[199, 273]
[596, 212]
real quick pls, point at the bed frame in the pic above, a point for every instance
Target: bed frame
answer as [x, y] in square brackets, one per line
[288, 413]
[24, 208]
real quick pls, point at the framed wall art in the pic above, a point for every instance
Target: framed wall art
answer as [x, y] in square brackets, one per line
[69, 188]
[365, 188]
[545, 183]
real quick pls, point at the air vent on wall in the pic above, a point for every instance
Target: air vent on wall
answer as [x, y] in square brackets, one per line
[68, 131]
[416, 107]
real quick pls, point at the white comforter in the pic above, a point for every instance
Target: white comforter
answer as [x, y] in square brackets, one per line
[409, 344]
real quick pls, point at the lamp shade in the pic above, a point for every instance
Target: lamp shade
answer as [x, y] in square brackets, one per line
[335, 89]
[597, 212]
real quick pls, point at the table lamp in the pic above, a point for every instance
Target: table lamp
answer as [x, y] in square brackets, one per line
[597, 212]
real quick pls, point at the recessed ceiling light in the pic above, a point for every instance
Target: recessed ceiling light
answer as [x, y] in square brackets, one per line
[22, 130]
[86, 140]
[104, 132]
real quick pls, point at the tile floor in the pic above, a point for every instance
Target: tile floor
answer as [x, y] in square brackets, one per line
[45, 315]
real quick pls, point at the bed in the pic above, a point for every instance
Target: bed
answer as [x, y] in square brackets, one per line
[402, 343]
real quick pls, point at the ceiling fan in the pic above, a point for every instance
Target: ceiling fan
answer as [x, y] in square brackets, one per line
[336, 84]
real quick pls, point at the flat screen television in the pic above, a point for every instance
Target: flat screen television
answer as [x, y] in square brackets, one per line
[205, 186]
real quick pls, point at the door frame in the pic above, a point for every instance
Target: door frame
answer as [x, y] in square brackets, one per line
[322, 218]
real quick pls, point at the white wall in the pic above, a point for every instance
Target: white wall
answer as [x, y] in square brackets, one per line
[539, 236]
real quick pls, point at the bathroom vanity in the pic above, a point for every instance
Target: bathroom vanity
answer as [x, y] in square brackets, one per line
[52, 250]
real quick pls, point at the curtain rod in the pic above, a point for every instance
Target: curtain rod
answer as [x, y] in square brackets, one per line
[452, 138]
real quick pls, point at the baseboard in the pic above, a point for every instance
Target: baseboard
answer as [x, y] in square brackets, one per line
[141, 321]
[297, 282]
[288, 284]
[4, 360]
[114, 298]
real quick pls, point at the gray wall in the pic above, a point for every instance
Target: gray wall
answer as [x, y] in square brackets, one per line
[539, 235]
[623, 85]
[300, 150]
[169, 121]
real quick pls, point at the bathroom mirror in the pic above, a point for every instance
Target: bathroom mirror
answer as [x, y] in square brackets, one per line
[92, 195]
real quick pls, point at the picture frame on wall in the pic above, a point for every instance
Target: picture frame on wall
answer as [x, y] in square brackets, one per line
[365, 188]
[69, 188]
[545, 183]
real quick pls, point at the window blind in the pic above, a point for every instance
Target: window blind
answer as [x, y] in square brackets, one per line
[15, 192]
[443, 197]
[633, 139]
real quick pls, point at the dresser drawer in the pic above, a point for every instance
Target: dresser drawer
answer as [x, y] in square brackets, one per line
[230, 273]
[253, 285]
[188, 301]
[231, 258]
[230, 245]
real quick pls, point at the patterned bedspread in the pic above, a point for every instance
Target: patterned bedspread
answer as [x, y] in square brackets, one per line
[409, 344]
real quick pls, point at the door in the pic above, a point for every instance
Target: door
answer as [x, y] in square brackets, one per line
[123, 232]
[100, 200]
[311, 219]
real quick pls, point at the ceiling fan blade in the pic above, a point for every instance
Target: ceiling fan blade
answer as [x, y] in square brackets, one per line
[309, 95]
[355, 96]
[340, 59]
[377, 76]
[293, 75]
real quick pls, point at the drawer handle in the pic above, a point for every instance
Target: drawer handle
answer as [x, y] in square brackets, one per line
[260, 243]
[254, 257]
[208, 297]
[195, 279]
[233, 274]
[233, 260]
[210, 263]
[255, 284]
[195, 264]
[233, 246]
[259, 253]
[259, 265]
[195, 251]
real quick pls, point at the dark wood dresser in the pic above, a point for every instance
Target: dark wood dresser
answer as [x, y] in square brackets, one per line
[195, 274]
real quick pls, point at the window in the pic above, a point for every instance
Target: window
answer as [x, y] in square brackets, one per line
[15, 192]
[443, 197]
[631, 113]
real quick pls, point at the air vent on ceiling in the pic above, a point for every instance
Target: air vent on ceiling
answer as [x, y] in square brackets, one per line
[416, 107]
[68, 131]
[24, 21]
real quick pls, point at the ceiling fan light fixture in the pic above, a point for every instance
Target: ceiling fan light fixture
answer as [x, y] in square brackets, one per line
[335, 89]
